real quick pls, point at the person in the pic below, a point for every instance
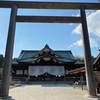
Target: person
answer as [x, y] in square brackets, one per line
[73, 79]
[44, 78]
[97, 88]
[27, 80]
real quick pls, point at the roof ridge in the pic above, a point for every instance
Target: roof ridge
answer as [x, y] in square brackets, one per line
[33, 53]
[46, 46]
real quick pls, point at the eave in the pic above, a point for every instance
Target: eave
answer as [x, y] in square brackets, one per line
[31, 59]
[80, 70]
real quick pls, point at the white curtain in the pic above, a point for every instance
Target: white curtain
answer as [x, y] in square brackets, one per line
[53, 70]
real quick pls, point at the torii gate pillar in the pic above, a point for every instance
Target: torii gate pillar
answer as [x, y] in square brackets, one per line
[87, 54]
[8, 55]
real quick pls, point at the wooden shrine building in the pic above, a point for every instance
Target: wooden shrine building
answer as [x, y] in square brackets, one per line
[45, 64]
[96, 69]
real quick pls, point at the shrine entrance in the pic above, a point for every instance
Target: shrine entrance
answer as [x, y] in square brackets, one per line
[47, 19]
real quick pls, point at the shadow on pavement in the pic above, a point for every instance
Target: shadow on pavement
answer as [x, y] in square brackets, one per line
[7, 99]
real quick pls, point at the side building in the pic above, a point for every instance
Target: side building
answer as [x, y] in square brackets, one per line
[44, 65]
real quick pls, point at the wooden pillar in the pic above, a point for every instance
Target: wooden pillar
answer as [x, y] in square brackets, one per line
[81, 80]
[87, 54]
[23, 70]
[8, 55]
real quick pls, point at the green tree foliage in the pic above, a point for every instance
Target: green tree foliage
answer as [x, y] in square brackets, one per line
[82, 58]
[1, 64]
[1, 60]
[14, 58]
[1, 69]
[93, 59]
[79, 58]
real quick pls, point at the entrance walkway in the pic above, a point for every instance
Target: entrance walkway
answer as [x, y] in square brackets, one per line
[48, 92]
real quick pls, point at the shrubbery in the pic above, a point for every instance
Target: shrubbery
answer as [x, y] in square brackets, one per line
[1, 72]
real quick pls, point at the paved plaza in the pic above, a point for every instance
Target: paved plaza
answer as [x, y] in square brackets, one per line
[48, 92]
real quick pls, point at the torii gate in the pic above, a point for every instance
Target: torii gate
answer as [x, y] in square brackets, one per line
[44, 19]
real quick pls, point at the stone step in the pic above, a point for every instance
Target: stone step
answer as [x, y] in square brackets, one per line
[48, 82]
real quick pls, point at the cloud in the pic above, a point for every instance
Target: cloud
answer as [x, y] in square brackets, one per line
[93, 43]
[78, 43]
[70, 46]
[77, 30]
[93, 21]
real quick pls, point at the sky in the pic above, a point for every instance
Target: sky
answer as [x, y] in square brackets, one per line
[59, 36]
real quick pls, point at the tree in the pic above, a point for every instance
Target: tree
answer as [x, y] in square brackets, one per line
[79, 58]
[14, 58]
[82, 58]
[1, 60]
[1, 69]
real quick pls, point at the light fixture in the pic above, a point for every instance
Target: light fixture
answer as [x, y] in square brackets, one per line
[95, 68]
[59, 75]
[36, 76]
[33, 62]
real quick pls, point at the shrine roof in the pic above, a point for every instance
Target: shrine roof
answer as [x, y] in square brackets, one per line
[33, 53]
[31, 59]
[14, 62]
[79, 62]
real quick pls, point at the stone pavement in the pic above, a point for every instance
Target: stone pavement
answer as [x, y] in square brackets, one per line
[48, 92]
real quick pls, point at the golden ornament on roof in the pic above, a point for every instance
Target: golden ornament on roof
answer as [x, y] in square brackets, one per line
[60, 62]
[46, 50]
[38, 60]
[56, 56]
[51, 53]
[33, 62]
[46, 59]
[54, 60]
[41, 53]
[36, 55]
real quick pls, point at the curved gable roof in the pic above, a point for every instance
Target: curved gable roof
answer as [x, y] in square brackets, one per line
[32, 53]
[47, 48]
[27, 53]
[31, 59]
